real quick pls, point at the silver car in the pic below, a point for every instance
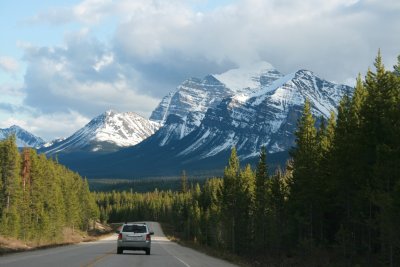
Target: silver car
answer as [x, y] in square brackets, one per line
[134, 236]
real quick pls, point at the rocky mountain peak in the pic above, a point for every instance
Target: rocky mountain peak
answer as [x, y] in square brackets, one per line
[107, 132]
[23, 137]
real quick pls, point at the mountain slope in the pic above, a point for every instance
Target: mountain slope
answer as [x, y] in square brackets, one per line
[182, 110]
[107, 132]
[264, 116]
[23, 137]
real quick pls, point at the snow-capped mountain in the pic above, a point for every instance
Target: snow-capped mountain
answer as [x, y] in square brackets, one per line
[267, 117]
[263, 113]
[182, 110]
[193, 95]
[23, 137]
[107, 132]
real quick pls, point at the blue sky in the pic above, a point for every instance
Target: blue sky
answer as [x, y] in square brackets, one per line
[64, 62]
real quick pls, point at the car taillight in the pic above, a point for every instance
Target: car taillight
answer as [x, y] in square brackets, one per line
[120, 236]
[148, 238]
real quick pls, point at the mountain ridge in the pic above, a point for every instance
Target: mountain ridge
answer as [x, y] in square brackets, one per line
[200, 138]
[105, 133]
[23, 137]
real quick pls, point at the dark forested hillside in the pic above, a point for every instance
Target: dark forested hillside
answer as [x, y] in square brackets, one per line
[39, 198]
[337, 203]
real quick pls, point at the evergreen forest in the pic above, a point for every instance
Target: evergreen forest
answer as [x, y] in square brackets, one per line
[39, 198]
[335, 203]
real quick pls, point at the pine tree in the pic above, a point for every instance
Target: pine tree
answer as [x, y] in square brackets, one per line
[397, 67]
[90, 210]
[229, 201]
[11, 191]
[304, 186]
[385, 166]
[323, 176]
[72, 205]
[365, 163]
[278, 193]
[54, 202]
[24, 209]
[39, 217]
[374, 138]
[184, 182]
[347, 171]
[260, 211]
[244, 226]
[195, 215]
[211, 202]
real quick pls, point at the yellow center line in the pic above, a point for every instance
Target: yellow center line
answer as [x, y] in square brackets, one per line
[99, 258]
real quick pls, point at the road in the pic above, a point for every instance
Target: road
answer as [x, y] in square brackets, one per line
[164, 253]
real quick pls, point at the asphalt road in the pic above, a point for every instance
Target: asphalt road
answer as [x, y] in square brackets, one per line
[104, 253]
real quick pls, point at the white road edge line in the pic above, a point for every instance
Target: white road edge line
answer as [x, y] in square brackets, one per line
[184, 263]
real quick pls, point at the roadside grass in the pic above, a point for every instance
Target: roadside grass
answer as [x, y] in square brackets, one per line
[69, 237]
[8, 245]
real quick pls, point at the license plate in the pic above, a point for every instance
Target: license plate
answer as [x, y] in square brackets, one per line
[133, 238]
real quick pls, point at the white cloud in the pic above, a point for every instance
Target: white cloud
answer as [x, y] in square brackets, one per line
[11, 98]
[48, 126]
[336, 39]
[11, 90]
[105, 60]
[55, 16]
[92, 12]
[12, 121]
[82, 76]
[157, 44]
[8, 64]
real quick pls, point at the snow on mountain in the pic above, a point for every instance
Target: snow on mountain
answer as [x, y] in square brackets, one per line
[193, 95]
[267, 117]
[249, 78]
[182, 110]
[23, 137]
[53, 142]
[107, 132]
[202, 119]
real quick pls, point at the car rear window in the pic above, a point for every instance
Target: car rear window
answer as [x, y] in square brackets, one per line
[135, 228]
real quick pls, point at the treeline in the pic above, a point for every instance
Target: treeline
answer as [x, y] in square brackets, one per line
[139, 185]
[244, 212]
[339, 193]
[39, 198]
[345, 188]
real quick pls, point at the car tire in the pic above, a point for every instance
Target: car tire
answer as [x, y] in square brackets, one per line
[148, 251]
[119, 250]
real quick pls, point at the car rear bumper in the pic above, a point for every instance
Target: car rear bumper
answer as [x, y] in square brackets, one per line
[134, 244]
